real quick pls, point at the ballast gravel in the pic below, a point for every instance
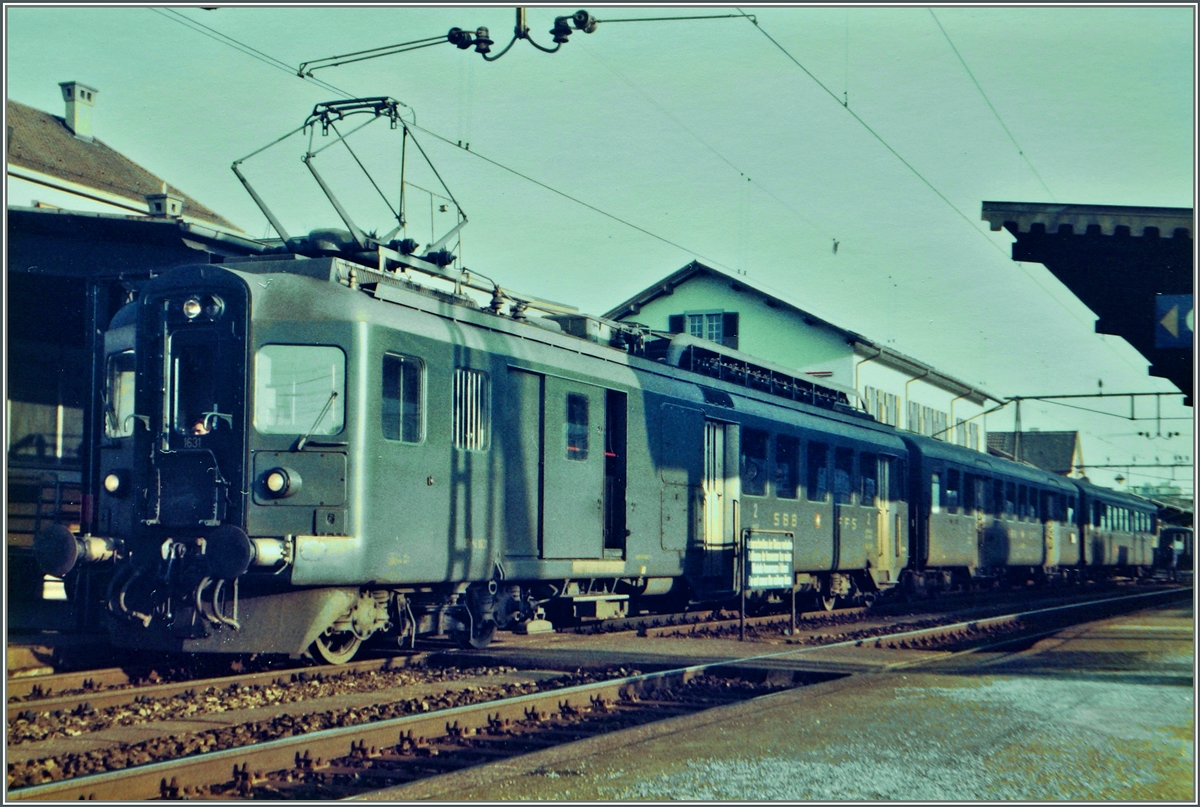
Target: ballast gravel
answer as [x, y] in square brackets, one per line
[35, 725]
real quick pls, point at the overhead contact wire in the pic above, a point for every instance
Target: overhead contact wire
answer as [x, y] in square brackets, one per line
[875, 134]
[252, 52]
[568, 196]
[928, 184]
[988, 101]
[704, 143]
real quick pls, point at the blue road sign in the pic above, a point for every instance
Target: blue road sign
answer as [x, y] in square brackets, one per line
[1174, 324]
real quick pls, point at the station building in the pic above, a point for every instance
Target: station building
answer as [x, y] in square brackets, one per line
[735, 312]
[84, 225]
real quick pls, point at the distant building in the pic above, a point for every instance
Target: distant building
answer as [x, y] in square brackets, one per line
[734, 312]
[1057, 452]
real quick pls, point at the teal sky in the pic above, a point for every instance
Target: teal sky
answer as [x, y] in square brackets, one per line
[707, 136]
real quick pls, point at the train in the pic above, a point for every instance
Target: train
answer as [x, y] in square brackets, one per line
[303, 453]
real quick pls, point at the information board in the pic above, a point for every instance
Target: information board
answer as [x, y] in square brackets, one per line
[769, 559]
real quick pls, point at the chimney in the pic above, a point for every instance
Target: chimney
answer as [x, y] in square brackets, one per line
[79, 98]
[165, 205]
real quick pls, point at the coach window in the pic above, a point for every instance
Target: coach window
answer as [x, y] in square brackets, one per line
[1022, 502]
[843, 475]
[471, 410]
[1010, 499]
[787, 466]
[754, 462]
[1071, 509]
[403, 398]
[818, 472]
[118, 405]
[935, 493]
[953, 480]
[998, 498]
[868, 469]
[299, 389]
[577, 427]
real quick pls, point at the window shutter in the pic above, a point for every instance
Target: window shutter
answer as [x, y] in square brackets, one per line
[675, 323]
[729, 329]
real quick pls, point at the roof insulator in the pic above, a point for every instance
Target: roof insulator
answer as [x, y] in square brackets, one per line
[561, 30]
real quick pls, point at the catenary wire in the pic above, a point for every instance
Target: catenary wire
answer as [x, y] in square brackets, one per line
[988, 101]
[254, 53]
[572, 198]
[930, 185]
[705, 143]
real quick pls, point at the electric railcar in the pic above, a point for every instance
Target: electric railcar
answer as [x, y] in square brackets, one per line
[300, 454]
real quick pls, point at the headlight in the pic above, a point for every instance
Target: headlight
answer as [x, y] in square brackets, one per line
[192, 308]
[116, 483]
[280, 483]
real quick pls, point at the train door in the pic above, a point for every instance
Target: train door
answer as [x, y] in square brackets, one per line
[197, 464]
[1047, 512]
[614, 474]
[720, 499]
[523, 415]
[850, 517]
[574, 465]
[977, 490]
[887, 518]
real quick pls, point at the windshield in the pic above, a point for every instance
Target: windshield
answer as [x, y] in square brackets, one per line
[118, 405]
[299, 389]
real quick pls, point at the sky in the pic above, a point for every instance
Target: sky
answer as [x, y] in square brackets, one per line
[749, 145]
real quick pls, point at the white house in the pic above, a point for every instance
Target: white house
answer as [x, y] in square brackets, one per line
[732, 311]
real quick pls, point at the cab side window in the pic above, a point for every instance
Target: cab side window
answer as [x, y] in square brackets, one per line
[403, 398]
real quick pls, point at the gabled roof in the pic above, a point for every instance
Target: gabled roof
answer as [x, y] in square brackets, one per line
[1050, 451]
[41, 142]
[885, 355]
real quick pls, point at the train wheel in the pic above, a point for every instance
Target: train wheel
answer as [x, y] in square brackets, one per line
[336, 648]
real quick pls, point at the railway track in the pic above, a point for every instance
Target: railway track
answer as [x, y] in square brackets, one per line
[103, 688]
[336, 756]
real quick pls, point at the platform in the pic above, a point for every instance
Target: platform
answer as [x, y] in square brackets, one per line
[1098, 712]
